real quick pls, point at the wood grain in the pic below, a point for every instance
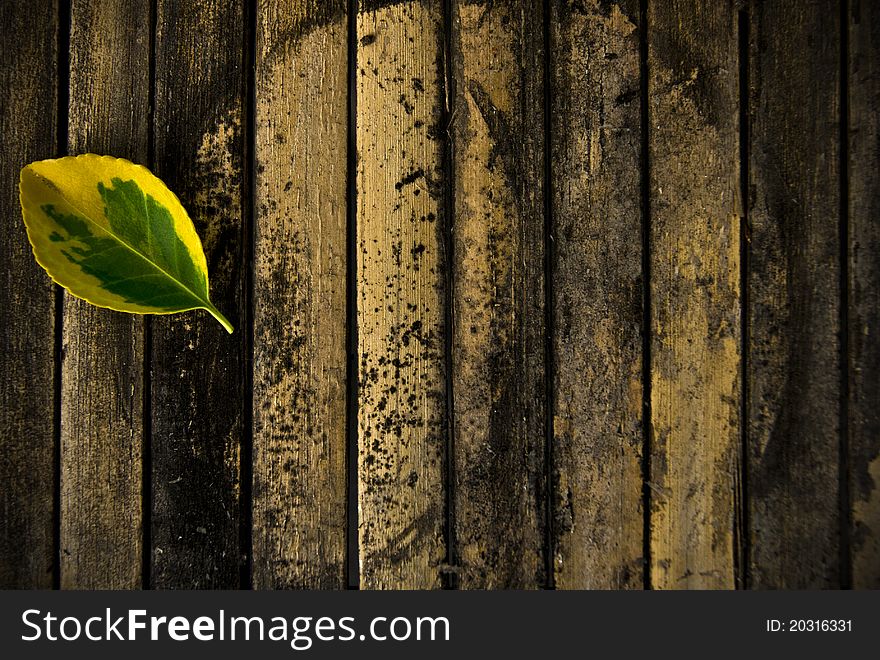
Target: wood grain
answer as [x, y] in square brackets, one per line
[695, 292]
[864, 291]
[598, 289]
[451, 252]
[28, 107]
[498, 293]
[794, 295]
[103, 351]
[300, 295]
[400, 294]
[199, 413]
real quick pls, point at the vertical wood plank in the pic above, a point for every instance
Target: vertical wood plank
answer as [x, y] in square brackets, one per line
[401, 294]
[498, 279]
[598, 289]
[103, 351]
[693, 119]
[864, 274]
[794, 291]
[199, 417]
[28, 107]
[300, 295]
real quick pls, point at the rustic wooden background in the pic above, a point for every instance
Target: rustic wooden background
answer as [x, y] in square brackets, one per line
[528, 294]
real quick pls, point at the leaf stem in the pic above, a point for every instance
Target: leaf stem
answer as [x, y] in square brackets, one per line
[217, 315]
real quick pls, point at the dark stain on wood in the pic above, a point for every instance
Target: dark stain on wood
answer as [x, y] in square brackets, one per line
[502, 249]
[863, 69]
[497, 369]
[300, 460]
[794, 293]
[29, 79]
[401, 294]
[695, 343]
[198, 397]
[598, 287]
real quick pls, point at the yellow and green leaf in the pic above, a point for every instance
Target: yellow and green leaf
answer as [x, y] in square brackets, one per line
[112, 233]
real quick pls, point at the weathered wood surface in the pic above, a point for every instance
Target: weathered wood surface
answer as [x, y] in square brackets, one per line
[102, 412]
[794, 295]
[200, 409]
[498, 346]
[401, 294]
[300, 474]
[598, 288]
[863, 69]
[28, 107]
[531, 214]
[693, 115]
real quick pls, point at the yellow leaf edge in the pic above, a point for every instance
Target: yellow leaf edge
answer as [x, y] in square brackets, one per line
[210, 308]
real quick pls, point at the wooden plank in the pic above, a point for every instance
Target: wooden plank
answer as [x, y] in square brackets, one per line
[794, 295]
[694, 247]
[103, 351]
[300, 295]
[864, 283]
[498, 293]
[400, 294]
[199, 414]
[28, 107]
[598, 290]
